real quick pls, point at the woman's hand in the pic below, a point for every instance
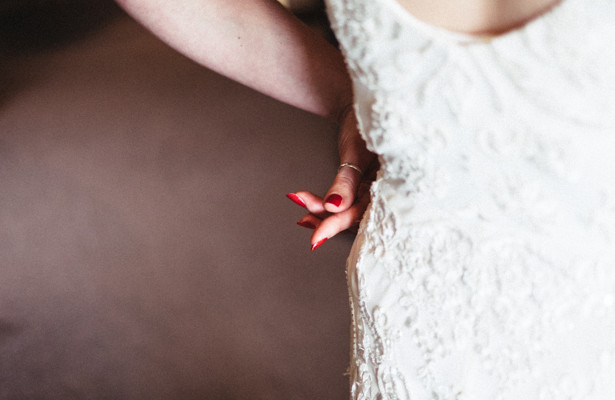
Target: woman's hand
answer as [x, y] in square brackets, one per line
[263, 46]
[344, 204]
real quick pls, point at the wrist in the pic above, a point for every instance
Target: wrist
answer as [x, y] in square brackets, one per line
[343, 113]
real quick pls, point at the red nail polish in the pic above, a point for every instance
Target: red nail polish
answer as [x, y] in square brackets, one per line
[334, 199]
[296, 199]
[318, 244]
[306, 224]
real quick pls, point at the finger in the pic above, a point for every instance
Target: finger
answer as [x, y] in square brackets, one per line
[309, 221]
[341, 195]
[347, 182]
[310, 201]
[338, 222]
[352, 150]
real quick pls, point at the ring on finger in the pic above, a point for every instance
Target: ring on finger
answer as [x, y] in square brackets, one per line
[349, 165]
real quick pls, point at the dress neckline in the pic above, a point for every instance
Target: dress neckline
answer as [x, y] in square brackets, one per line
[460, 38]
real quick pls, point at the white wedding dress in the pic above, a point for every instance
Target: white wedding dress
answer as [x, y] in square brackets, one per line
[484, 268]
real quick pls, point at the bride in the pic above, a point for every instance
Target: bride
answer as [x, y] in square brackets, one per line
[261, 45]
[475, 143]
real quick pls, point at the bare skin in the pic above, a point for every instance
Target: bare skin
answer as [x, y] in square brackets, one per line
[478, 17]
[261, 45]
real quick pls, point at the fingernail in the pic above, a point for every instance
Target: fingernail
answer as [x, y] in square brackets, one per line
[334, 199]
[296, 199]
[306, 224]
[318, 244]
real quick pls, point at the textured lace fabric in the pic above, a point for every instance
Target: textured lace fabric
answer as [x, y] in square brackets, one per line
[484, 268]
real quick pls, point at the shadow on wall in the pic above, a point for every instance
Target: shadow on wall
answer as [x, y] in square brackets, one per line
[34, 25]
[147, 249]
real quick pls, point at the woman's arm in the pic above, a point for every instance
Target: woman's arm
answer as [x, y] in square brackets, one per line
[255, 42]
[260, 44]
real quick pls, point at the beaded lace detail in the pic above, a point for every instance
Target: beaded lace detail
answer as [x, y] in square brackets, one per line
[485, 265]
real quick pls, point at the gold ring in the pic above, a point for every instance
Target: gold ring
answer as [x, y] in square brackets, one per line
[349, 165]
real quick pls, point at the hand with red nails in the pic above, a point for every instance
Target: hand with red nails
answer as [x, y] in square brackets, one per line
[287, 61]
[343, 205]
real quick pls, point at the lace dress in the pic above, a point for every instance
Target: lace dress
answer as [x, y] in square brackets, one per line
[484, 267]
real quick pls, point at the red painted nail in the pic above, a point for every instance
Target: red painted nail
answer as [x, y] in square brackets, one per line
[306, 224]
[334, 199]
[296, 199]
[318, 244]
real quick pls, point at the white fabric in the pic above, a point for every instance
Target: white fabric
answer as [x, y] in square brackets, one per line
[484, 268]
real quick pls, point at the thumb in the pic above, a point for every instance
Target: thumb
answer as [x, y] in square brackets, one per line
[355, 161]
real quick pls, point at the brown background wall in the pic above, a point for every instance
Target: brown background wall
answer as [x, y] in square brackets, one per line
[147, 250]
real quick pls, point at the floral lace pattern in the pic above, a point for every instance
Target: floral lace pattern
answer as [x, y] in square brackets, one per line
[484, 267]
